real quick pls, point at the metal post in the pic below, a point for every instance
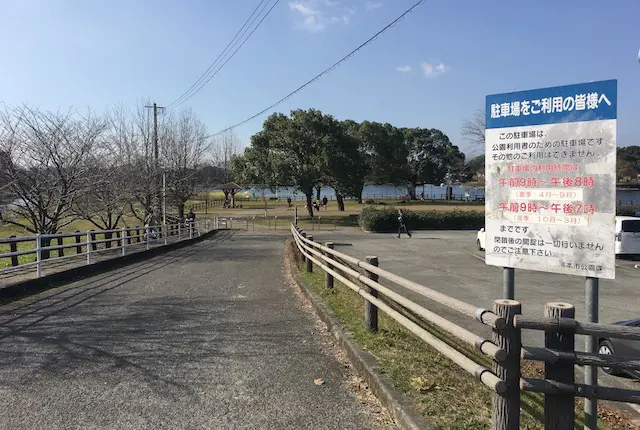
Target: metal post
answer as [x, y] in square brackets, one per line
[319, 222]
[371, 310]
[89, 247]
[309, 262]
[148, 230]
[123, 242]
[254, 223]
[191, 230]
[508, 283]
[505, 413]
[164, 198]
[328, 278]
[296, 216]
[39, 256]
[166, 233]
[591, 345]
[179, 230]
[559, 408]
[275, 222]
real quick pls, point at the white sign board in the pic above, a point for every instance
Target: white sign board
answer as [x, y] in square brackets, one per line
[551, 179]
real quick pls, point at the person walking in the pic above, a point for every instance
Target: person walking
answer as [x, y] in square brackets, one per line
[401, 225]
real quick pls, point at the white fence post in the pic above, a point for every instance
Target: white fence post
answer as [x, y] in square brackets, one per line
[88, 246]
[123, 234]
[179, 229]
[148, 233]
[166, 233]
[38, 256]
[191, 230]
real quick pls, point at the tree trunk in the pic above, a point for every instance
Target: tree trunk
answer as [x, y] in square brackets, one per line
[340, 201]
[107, 236]
[359, 196]
[309, 196]
[226, 194]
[233, 199]
[318, 188]
[181, 210]
[411, 190]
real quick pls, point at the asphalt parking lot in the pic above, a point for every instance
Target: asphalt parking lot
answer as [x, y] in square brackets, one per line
[449, 262]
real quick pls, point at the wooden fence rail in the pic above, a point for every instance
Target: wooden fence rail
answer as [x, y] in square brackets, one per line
[505, 349]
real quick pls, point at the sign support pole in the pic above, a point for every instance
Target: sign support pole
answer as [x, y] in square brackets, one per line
[508, 283]
[590, 343]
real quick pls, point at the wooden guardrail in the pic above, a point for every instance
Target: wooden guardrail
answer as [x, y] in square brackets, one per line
[504, 348]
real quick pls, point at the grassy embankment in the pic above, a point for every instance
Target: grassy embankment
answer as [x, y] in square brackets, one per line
[441, 392]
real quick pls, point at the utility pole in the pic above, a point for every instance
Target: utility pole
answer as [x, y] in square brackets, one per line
[156, 164]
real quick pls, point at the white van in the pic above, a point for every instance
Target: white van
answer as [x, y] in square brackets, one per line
[627, 235]
[627, 239]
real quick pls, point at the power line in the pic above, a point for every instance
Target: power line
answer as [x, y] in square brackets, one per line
[324, 72]
[219, 55]
[230, 46]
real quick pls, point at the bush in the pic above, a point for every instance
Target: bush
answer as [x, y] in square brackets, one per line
[627, 210]
[386, 220]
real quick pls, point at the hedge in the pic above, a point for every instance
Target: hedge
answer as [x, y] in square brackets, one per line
[386, 219]
[627, 210]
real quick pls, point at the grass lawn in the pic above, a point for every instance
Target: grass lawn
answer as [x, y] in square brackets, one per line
[352, 209]
[441, 391]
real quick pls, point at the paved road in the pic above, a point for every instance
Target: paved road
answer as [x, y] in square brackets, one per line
[448, 262]
[210, 336]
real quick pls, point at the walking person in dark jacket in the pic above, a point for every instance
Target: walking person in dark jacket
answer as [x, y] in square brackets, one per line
[401, 225]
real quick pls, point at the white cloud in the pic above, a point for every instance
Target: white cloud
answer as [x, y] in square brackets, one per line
[371, 5]
[433, 70]
[316, 15]
[404, 69]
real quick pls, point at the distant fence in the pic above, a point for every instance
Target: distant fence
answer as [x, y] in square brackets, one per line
[39, 248]
[504, 349]
[251, 223]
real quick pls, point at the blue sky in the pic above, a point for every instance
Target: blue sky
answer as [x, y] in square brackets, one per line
[433, 69]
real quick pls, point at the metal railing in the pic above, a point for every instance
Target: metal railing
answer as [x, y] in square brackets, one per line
[504, 349]
[89, 244]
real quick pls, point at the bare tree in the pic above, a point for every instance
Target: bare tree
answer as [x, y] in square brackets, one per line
[105, 202]
[47, 165]
[224, 147]
[473, 130]
[183, 140]
[131, 141]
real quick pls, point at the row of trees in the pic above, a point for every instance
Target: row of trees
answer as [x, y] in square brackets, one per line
[57, 167]
[309, 149]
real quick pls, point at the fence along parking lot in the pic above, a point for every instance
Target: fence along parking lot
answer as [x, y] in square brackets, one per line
[505, 349]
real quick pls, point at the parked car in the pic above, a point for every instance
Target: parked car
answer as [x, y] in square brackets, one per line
[621, 347]
[627, 236]
[480, 239]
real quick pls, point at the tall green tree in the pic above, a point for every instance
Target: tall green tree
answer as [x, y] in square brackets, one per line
[344, 161]
[386, 152]
[430, 156]
[628, 161]
[290, 151]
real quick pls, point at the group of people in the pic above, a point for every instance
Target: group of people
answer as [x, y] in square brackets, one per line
[316, 204]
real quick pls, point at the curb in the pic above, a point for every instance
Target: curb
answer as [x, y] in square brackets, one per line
[37, 285]
[364, 362]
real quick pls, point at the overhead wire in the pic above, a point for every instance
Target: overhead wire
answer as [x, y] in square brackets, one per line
[324, 72]
[224, 51]
[199, 82]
